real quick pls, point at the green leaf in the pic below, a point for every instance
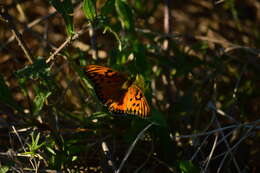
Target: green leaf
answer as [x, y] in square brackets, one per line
[108, 7]
[125, 14]
[39, 69]
[89, 9]
[4, 169]
[51, 150]
[34, 146]
[107, 28]
[65, 8]
[188, 167]
[6, 95]
[39, 100]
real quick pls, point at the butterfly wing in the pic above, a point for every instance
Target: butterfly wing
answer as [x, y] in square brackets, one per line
[133, 103]
[107, 83]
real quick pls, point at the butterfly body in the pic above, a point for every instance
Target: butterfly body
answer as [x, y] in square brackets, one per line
[116, 92]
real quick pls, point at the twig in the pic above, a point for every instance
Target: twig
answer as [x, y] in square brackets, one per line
[28, 27]
[21, 142]
[167, 24]
[65, 43]
[234, 146]
[171, 169]
[147, 159]
[108, 155]
[245, 125]
[209, 132]
[211, 152]
[197, 151]
[220, 112]
[129, 151]
[238, 81]
[228, 46]
[208, 126]
[93, 43]
[17, 35]
[228, 147]
[158, 34]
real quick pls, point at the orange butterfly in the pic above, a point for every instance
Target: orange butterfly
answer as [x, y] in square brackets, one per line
[116, 92]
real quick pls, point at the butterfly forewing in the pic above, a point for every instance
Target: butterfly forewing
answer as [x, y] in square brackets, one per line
[108, 85]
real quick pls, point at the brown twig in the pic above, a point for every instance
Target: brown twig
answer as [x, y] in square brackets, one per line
[8, 19]
[167, 23]
[27, 27]
[108, 154]
[228, 147]
[93, 42]
[229, 46]
[211, 153]
[130, 149]
[233, 147]
[246, 125]
[65, 43]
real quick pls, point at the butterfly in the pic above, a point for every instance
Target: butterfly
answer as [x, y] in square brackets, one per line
[116, 92]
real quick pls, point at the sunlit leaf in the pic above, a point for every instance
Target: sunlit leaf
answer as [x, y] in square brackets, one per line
[39, 100]
[65, 8]
[188, 167]
[4, 169]
[89, 9]
[125, 14]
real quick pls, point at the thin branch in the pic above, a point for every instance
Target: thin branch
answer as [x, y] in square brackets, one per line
[211, 153]
[147, 159]
[229, 149]
[197, 151]
[229, 46]
[65, 43]
[93, 42]
[21, 142]
[129, 151]
[28, 27]
[8, 19]
[108, 154]
[220, 112]
[245, 125]
[167, 24]
[171, 169]
[238, 81]
[234, 146]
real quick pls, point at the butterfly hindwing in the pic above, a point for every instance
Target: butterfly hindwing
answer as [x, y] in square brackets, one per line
[135, 102]
[108, 85]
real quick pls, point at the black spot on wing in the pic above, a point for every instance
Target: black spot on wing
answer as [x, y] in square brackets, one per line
[110, 73]
[138, 95]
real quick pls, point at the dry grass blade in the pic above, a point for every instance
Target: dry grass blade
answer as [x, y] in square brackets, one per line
[132, 147]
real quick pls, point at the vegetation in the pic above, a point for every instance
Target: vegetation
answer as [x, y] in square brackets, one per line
[199, 61]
